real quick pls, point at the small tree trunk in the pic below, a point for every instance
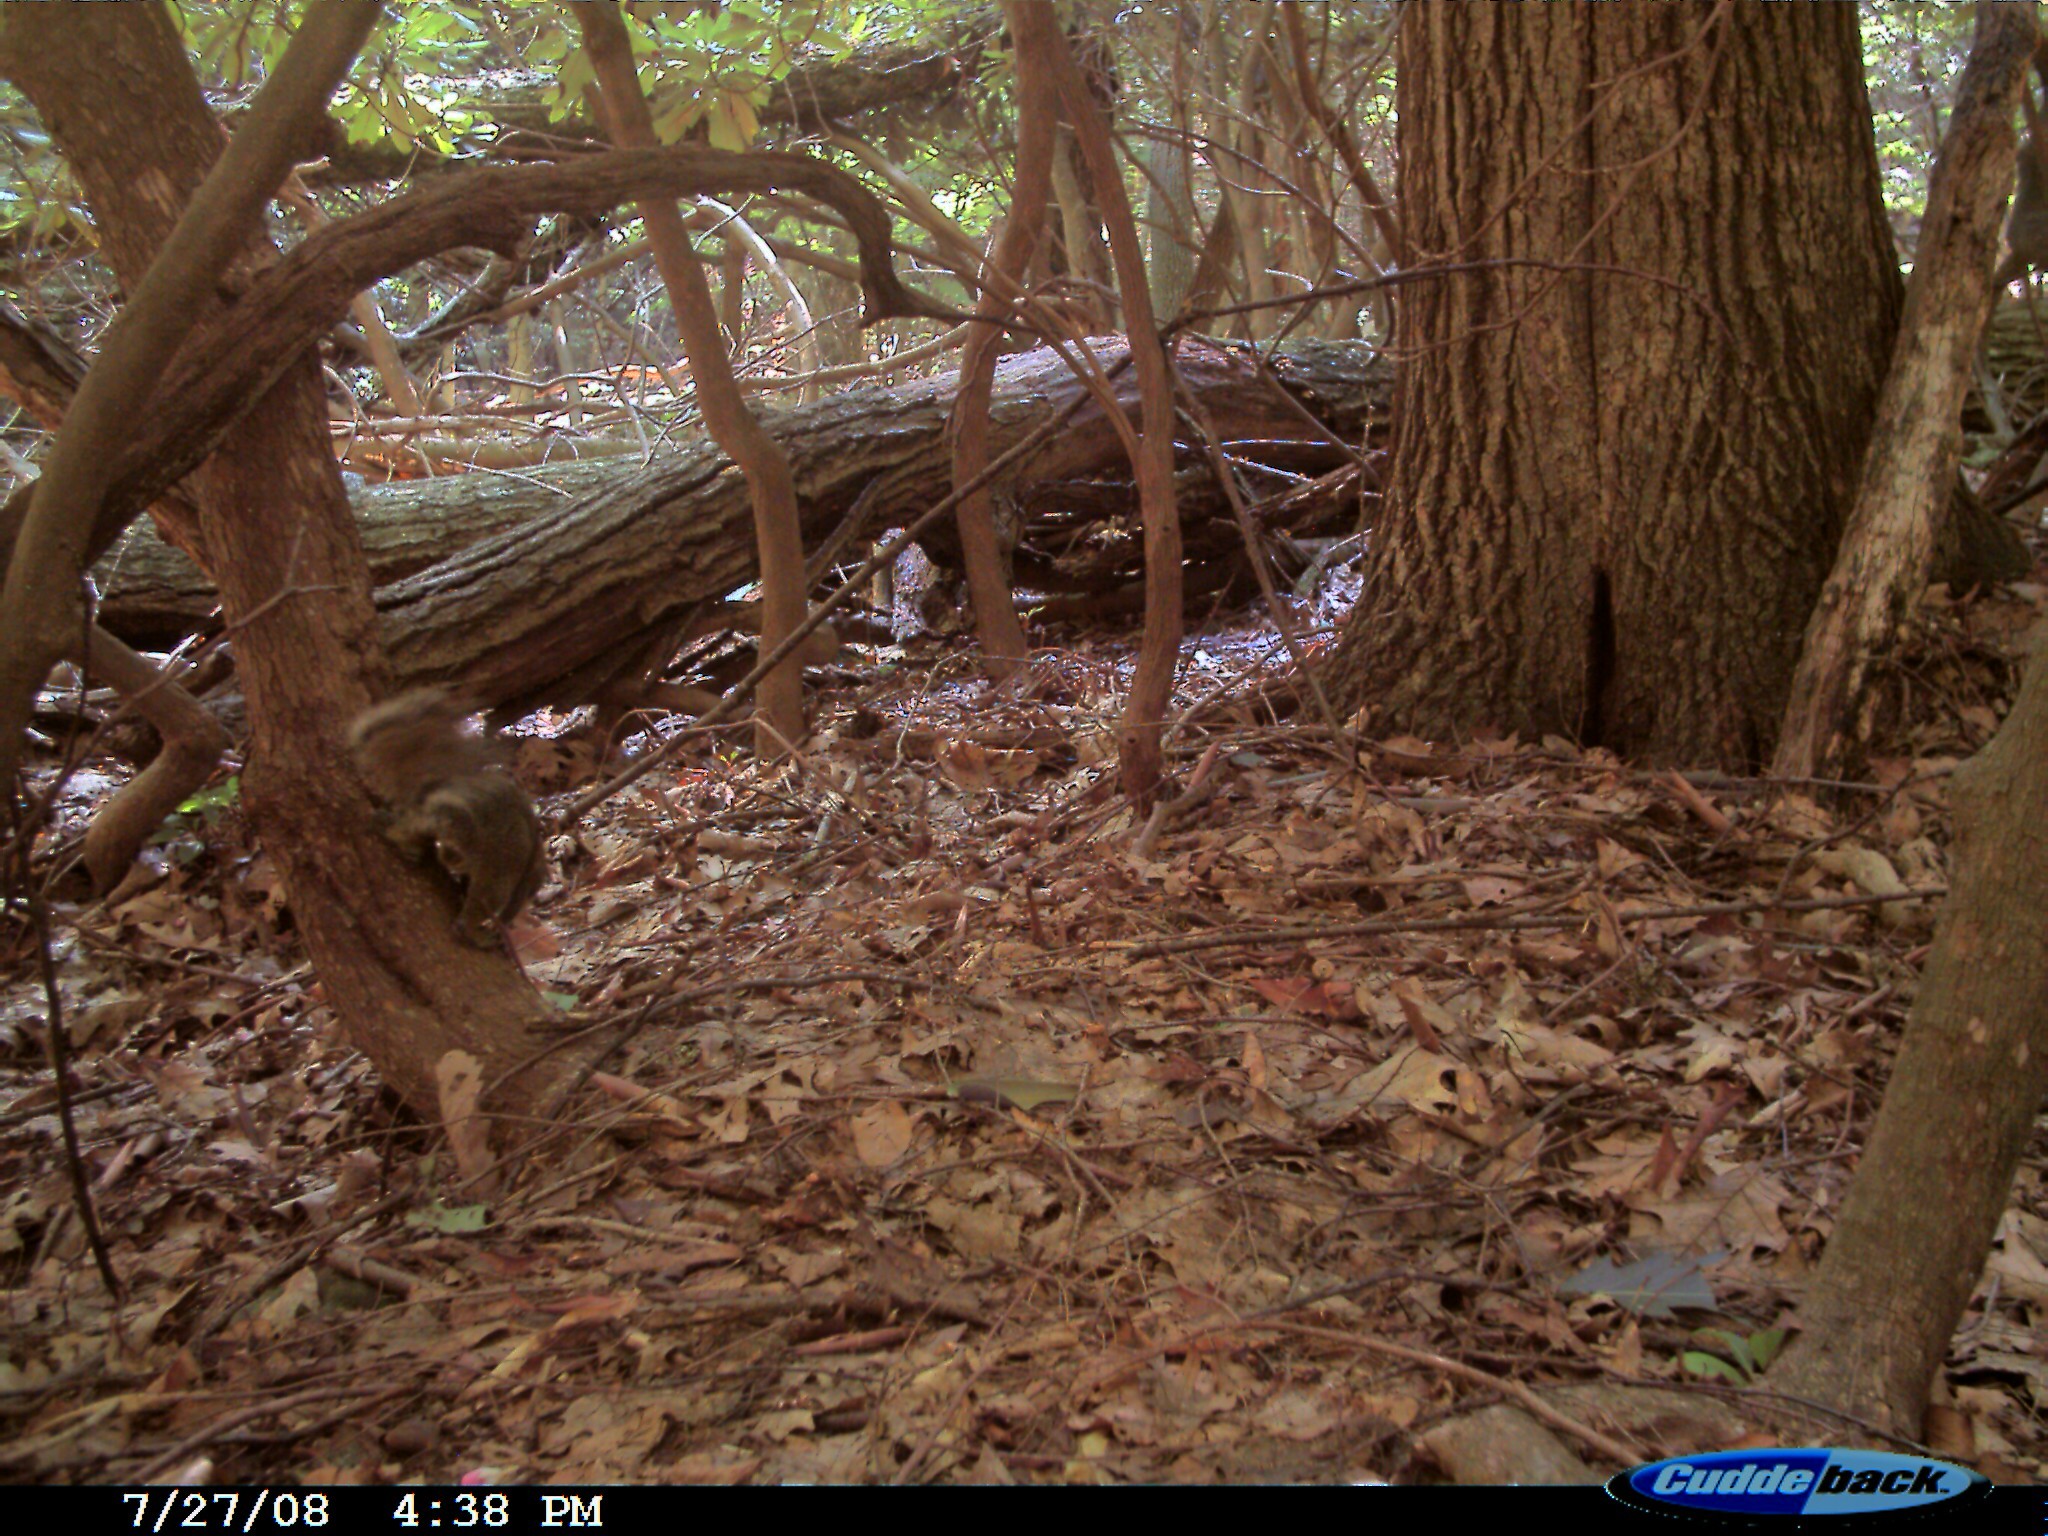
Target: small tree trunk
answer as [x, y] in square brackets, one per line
[1004, 646]
[1935, 1177]
[1911, 467]
[1138, 739]
[779, 703]
[1081, 235]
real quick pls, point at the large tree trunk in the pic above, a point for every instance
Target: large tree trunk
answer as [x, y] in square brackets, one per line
[274, 528]
[1625, 441]
[1936, 1175]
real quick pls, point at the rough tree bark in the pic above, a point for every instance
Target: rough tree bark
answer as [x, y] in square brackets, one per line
[1889, 544]
[1630, 423]
[274, 527]
[1935, 1176]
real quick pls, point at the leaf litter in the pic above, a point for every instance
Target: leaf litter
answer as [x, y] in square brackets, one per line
[960, 1126]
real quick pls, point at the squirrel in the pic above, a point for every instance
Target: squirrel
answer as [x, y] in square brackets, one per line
[439, 793]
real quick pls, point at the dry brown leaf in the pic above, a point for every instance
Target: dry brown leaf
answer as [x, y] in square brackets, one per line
[881, 1134]
[458, 1079]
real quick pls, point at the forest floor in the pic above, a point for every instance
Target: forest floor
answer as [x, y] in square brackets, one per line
[961, 1129]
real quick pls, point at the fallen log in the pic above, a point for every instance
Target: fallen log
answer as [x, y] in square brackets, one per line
[508, 585]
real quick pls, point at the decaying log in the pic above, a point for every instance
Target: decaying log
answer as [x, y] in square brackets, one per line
[508, 585]
[547, 600]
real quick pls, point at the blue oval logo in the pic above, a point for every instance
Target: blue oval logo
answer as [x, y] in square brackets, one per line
[1805, 1482]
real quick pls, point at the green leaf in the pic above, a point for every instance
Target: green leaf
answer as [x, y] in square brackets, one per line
[1699, 1363]
[450, 1218]
[212, 801]
[725, 132]
[672, 124]
[1767, 1345]
[1746, 1354]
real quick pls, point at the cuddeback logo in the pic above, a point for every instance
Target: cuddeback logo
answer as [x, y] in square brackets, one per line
[1745, 1485]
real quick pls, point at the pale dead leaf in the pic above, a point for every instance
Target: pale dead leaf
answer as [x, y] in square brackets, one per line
[188, 1096]
[1253, 1058]
[980, 769]
[1411, 754]
[881, 1134]
[585, 1311]
[1491, 890]
[1299, 1413]
[1415, 1078]
[459, 1081]
[295, 1298]
[976, 1231]
[1427, 1018]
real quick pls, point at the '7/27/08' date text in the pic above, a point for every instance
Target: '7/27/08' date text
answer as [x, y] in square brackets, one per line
[259, 1511]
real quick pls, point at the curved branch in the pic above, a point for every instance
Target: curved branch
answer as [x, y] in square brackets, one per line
[226, 368]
